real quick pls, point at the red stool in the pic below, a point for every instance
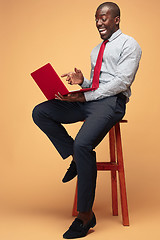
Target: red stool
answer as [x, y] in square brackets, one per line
[115, 164]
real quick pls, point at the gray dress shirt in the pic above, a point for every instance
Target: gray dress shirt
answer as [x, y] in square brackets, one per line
[119, 66]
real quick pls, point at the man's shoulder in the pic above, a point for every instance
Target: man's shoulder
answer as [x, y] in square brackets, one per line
[130, 41]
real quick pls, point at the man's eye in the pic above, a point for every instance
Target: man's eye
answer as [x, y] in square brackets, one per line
[104, 19]
[101, 19]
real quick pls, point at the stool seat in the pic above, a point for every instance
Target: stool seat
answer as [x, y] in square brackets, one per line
[114, 165]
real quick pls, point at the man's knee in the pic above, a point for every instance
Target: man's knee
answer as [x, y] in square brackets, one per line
[80, 145]
[36, 113]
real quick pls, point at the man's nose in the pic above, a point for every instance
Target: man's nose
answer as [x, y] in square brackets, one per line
[99, 22]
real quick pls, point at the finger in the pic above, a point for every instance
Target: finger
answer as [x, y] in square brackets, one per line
[70, 82]
[57, 97]
[60, 95]
[68, 78]
[66, 74]
[77, 70]
[63, 98]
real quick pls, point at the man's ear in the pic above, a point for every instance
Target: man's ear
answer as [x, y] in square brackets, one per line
[117, 20]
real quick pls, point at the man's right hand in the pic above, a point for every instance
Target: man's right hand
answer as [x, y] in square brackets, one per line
[74, 77]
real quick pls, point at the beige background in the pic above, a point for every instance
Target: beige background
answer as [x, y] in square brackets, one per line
[34, 203]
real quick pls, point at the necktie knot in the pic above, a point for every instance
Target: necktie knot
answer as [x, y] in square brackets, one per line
[106, 41]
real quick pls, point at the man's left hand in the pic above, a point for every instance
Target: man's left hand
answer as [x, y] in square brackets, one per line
[71, 97]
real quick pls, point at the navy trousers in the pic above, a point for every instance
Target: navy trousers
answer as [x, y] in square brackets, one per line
[100, 116]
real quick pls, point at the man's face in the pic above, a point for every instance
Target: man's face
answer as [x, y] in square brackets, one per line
[106, 23]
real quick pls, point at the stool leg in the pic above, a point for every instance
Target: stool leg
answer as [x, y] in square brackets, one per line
[121, 174]
[74, 211]
[113, 173]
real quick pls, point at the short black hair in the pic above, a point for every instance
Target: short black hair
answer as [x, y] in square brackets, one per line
[115, 10]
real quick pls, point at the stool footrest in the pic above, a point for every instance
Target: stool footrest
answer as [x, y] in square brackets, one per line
[103, 166]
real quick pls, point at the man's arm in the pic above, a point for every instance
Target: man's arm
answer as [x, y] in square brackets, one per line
[71, 97]
[126, 69]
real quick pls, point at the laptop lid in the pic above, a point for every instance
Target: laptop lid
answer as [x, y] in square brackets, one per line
[50, 83]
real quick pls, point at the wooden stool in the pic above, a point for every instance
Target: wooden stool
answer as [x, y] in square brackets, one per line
[115, 164]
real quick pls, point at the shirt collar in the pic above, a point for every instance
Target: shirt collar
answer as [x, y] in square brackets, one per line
[115, 35]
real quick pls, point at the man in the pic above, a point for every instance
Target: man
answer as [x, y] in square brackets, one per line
[101, 109]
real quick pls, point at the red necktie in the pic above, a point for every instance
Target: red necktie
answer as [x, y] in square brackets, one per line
[97, 68]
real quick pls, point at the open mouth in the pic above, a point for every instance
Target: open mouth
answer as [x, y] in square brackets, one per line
[102, 31]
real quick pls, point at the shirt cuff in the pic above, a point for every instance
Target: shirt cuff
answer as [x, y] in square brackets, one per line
[89, 96]
[86, 83]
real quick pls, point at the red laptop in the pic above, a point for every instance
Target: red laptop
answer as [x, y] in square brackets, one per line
[50, 83]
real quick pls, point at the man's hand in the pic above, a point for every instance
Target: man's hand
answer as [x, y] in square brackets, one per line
[74, 77]
[71, 97]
